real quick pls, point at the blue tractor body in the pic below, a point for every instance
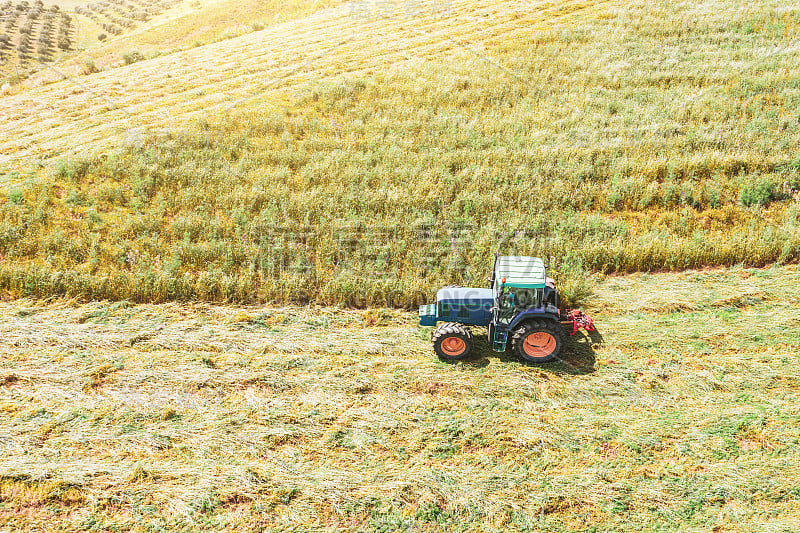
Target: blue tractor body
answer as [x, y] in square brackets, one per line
[464, 305]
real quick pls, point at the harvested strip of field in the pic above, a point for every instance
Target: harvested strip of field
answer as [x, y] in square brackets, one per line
[209, 417]
[116, 106]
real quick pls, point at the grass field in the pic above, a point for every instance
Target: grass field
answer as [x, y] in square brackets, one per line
[207, 256]
[319, 160]
[681, 416]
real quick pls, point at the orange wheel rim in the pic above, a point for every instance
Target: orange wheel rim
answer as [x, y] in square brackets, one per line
[453, 346]
[539, 344]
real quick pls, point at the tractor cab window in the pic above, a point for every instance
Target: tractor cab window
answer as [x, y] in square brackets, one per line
[515, 299]
[528, 298]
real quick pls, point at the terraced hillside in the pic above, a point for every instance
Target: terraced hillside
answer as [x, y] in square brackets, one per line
[682, 416]
[108, 108]
[33, 33]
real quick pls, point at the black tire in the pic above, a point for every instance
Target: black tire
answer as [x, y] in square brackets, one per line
[545, 347]
[452, 341]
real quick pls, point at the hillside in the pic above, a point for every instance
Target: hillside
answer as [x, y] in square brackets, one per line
[170, 27]
[35, 36]
[681, 416]
[169, 91]
[368, 158]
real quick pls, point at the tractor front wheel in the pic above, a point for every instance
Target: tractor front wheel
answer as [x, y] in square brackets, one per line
[538, 341]
[452, 341]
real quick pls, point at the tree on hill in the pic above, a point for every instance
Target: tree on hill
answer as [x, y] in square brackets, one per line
[24, 44]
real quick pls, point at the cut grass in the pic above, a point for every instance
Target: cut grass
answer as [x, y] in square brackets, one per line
[252, 418]
[599, 70]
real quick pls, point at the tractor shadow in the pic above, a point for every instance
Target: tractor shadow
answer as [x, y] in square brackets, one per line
[577, 357]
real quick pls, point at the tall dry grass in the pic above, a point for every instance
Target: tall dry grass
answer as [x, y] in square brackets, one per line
[663, 137]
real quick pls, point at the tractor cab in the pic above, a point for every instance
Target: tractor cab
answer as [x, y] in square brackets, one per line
[522, 291]
[520, 284]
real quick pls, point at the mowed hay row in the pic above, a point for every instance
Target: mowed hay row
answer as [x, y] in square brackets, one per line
[226, 330]
[168, 92]
[679, 419]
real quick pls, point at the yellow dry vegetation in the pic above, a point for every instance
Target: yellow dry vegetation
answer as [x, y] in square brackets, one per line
[369, 157]
[228, 418]
[104, 109]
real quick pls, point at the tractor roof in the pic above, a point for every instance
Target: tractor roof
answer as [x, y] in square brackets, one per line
[520, 271]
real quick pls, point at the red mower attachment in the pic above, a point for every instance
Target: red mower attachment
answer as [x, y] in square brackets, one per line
[580, 320]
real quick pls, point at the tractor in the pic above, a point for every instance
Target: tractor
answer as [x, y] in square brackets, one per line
[521, 305]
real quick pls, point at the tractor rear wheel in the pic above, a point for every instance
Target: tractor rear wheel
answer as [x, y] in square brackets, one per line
[538, 341]
[452, 341]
